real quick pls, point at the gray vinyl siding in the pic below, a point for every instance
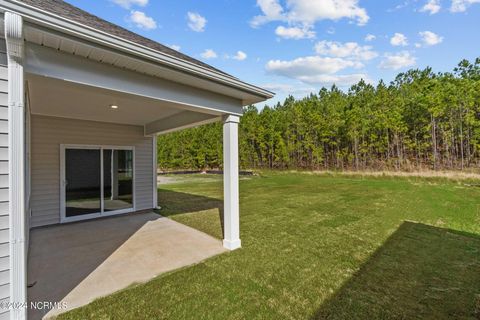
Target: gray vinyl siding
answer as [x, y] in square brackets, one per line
[4, 207]
[48, 133]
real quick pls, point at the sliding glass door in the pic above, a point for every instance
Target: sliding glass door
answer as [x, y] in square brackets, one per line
[97, 181]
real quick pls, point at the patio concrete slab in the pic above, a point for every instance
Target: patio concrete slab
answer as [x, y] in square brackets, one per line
[77, 263]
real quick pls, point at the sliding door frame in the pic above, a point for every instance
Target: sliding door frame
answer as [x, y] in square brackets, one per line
[63, 186]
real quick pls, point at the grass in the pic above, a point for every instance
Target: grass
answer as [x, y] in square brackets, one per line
[320, 247]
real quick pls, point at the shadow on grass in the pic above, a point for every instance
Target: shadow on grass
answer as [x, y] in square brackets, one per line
[200, 212]
[421, 272]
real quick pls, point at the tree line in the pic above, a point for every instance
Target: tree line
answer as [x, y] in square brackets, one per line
[420, 120]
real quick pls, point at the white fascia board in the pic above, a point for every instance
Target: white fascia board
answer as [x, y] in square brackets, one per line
[55, 22]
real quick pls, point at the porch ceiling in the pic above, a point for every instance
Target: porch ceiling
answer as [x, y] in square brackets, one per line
[54, 97]
[65, 85]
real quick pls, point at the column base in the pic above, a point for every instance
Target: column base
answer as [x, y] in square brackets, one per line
[232, 245]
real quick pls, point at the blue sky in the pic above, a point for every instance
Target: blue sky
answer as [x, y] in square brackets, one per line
[298, 46]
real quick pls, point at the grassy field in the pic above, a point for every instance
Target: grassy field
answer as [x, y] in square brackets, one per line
[320, 247]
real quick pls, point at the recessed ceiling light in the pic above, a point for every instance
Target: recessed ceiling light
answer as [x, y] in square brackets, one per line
[113, 106]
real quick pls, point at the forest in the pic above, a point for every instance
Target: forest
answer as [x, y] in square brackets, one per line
[421, 120]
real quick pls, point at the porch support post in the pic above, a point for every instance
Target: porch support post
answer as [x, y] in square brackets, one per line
[16, 163]
[231, 219]
[154, 165]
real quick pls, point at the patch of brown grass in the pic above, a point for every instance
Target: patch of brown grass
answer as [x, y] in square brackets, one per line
[453, 175]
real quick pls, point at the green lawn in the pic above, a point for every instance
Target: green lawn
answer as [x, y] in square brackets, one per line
[320, 247]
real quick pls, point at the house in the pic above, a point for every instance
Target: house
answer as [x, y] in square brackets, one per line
[81, 103]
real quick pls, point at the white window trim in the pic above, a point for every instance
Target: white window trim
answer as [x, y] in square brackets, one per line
[101, 214]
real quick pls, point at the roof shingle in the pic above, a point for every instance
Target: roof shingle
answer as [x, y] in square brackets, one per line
[68, 11]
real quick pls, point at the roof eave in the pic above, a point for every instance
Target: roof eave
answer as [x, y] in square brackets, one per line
[55, 22]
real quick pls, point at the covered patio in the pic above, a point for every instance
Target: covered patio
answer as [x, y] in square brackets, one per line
[91, 150]
[74, 264]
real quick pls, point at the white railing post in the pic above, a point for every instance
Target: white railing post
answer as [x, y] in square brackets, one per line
[231, 215]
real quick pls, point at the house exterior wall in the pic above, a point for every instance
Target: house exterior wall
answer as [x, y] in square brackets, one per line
[4, 208]
[48, 133]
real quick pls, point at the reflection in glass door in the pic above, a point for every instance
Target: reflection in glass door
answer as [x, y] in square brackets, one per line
[97, 181]
[82, 182]
[118, 179]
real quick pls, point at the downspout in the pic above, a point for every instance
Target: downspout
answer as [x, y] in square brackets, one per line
[16, 165]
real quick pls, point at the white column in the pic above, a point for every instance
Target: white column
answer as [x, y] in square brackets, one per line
[16, 164]
[154, 165]
[231, 217]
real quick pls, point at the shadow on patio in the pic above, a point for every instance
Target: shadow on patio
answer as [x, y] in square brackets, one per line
[79, 262]
[421, 272]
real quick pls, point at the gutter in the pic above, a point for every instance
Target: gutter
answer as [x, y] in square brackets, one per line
[55, 22]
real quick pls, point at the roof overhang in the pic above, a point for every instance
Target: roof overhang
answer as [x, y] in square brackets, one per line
[70, 86]
[50, 30]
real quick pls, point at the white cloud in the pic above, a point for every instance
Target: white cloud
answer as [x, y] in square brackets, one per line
[174, 47]
[288, 88]
[142, 21]
[294, 32]
[400, 6]
[311, 69]
[196, 22]
[398, 61]
[432, 6]
[370, 37]
[399, 39]
[209, 54]
[240, 56]
[462, 5]
[430, 39]
[345, 50]
[339, 80]
[127, 4]
[307, 12]
[272, 10]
